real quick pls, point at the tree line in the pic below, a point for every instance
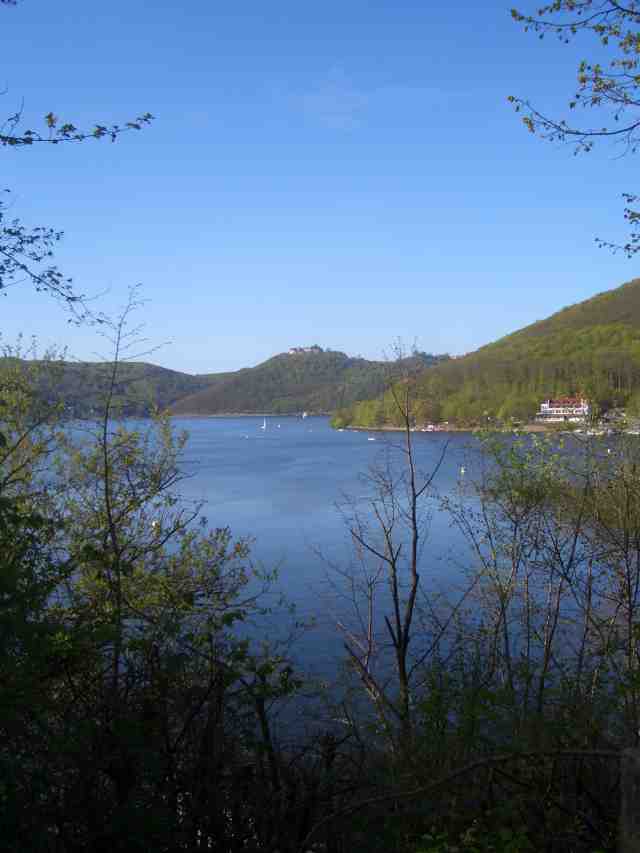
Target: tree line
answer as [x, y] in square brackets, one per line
[508, 379]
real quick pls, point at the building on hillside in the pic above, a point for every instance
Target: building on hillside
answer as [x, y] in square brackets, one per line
[570, 409]
[296, 350]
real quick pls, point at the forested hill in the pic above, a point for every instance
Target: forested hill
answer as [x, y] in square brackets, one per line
[314, 380]
[592, 348]
[82, 386]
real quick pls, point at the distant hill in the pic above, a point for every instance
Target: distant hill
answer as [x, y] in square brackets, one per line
[81, 386]
[592, 348]
[308, 379]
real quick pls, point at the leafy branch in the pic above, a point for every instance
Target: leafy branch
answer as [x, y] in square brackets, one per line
[611, 87]
[57, 131]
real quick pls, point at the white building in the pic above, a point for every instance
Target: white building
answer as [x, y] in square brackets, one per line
[573, 409]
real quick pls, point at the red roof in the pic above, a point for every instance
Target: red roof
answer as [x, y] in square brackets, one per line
[567, 401]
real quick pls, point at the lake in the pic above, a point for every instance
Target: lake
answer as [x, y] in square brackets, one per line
[280, 485]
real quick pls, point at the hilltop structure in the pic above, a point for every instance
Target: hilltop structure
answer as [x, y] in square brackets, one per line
[297, 350]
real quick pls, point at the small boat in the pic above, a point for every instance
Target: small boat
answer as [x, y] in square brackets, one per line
[371, 438]
[264, 424]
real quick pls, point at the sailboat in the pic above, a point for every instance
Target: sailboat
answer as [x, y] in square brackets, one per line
[264, 423]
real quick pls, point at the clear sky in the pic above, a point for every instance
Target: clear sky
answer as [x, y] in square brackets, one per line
[340, 173]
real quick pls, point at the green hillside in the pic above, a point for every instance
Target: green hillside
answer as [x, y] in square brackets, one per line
[81, 386]
[316, 381]
[592, 348]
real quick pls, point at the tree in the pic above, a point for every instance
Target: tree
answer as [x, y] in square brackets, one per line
[518, 696]
[134, 711]
[609, 86]
[387, 536]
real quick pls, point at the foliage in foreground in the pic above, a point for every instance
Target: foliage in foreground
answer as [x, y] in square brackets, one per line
[134, 713]
[137, 714]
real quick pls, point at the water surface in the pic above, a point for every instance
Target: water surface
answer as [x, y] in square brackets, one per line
[280, 486]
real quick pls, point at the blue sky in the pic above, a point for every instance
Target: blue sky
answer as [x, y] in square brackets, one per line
[344, 174]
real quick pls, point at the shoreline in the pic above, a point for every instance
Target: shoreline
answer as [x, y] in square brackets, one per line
[452, 428]
[251, 415]
[525, 428]
[403, 429]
